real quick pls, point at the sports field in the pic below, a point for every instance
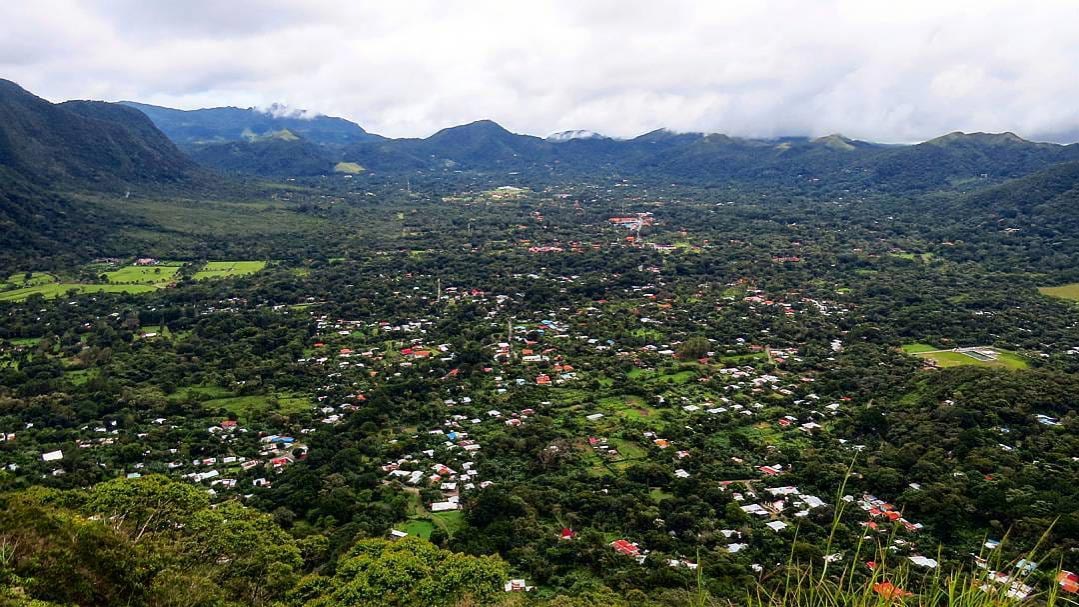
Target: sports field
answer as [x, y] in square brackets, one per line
[951, 358]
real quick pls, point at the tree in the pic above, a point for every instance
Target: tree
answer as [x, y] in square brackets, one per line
[694, 347]
[147, 504]
[409, 573]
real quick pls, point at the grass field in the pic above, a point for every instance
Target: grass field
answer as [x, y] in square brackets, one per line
[680, 377]
[228, 269]
[247, 407]
[947, 358]
[1069, 291]
[130, 279]
[451, 522]
[419, 528]
[350, 168]
[57, 289]
[143, 274]
[627, 449]
[658, 495]
[25, 341]
[19, 280]
[918, 348]
[183, 217]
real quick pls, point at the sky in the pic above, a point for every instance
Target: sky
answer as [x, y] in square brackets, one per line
[895, 71]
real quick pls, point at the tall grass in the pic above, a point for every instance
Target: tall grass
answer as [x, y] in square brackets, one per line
[988, 580]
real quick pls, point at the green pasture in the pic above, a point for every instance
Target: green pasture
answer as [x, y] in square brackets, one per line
[228, 269]
[57, 289]
[159, 274]
[1068, 291]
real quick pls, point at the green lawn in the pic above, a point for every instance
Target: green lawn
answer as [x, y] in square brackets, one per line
[246, 407]
[680, 377]
[143, 274]
[80, 376]
[916, 348]
[451, 522]
[658, 495]
[419, 528]
[1004, 360]
[1069, 291]
[57, 289]
[627, 449]
[25, 341]
[227, 269]
[20, 279]
[160, 330]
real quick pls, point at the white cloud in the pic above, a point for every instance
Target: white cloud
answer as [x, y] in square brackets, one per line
[876, 70]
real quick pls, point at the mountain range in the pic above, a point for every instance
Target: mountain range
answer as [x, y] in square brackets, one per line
[50, 153]
[101, 144]
[273, 145]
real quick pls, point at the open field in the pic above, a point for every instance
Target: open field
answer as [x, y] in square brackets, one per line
[57, 289]
[25, 341]
[950, 358]
[185, 217]
[1069, 291]
[143, 274]
[129, 279]
[451, 522]
[19, 280]
[228, 269]
[349, 168]
[419, 528]
[247, 407]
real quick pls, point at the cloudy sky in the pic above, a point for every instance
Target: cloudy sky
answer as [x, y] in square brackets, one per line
[885, 71]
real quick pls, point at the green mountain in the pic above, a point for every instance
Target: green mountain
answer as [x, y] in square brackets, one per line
[1047, 199]
[956, 159]
[961, 156]
[281, 154]
[88, 143]
[230, 124]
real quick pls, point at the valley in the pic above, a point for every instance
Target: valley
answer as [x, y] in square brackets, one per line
[668, 370]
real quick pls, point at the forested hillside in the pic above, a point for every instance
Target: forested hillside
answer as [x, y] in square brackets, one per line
[83, 144]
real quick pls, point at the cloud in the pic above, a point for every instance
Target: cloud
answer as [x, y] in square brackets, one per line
[883, 71]
[280, 110]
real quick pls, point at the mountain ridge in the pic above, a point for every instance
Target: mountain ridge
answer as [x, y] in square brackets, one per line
[228, 123]
[88, 142]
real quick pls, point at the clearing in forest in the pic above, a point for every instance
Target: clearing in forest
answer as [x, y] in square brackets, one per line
[157, 274]
[983, 356]
[227, 269]
[1068, 291]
